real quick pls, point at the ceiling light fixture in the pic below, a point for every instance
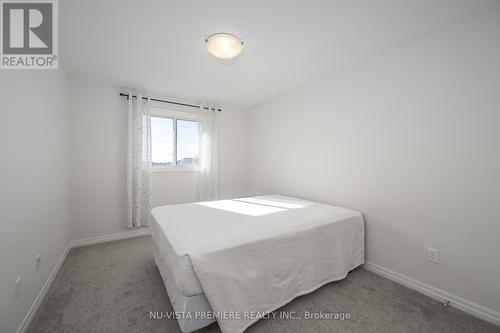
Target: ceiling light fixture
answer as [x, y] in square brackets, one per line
[224, 45]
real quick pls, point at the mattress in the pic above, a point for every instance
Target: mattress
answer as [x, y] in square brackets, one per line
[177, 263]
[182, 304]
[252, 254]
[175, 240]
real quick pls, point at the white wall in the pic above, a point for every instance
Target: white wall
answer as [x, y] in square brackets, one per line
[412, 141]
[34, 185]
[98, 127]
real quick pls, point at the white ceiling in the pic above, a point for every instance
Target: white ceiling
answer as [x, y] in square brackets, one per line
[158, 45]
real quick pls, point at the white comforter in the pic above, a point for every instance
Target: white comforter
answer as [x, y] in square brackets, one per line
[253, 255]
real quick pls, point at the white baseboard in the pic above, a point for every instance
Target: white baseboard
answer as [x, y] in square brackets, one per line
[441, 295]
[109, 238]
[82, 242]
[38, 300]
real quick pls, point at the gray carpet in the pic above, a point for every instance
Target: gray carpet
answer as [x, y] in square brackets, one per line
[112, 287]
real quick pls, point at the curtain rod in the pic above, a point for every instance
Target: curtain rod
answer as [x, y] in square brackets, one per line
[170, 102]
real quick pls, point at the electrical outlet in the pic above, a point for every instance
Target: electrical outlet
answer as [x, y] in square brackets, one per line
[433, 255]
[17, 288]
[38, 262]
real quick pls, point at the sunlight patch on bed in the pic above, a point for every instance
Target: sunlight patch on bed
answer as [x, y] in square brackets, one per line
[272, 203]
[240, 207]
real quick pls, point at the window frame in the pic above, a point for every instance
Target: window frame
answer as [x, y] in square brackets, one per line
[174, 116]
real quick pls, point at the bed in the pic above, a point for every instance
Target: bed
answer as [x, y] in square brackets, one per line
[232, 261]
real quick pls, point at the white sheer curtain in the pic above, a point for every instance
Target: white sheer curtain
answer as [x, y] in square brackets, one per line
[139, 162]
[208, 179]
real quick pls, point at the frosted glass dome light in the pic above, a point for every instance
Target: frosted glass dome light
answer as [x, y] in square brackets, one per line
[224, 45]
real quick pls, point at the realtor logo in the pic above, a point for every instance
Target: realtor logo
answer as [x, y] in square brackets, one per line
[29, 34]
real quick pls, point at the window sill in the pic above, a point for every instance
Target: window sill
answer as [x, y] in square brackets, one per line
[174, 169]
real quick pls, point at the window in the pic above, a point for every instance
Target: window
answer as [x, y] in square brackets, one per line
[162, 141]
[174, 142]
[187, 142]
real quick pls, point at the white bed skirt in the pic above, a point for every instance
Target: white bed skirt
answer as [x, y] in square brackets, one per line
[188, 308]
